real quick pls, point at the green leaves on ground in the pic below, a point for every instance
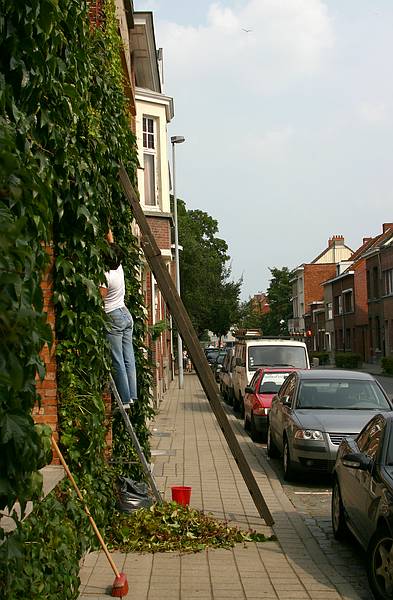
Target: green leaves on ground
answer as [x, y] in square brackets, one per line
[169, 527]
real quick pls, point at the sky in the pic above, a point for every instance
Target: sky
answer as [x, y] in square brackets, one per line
[287, 111]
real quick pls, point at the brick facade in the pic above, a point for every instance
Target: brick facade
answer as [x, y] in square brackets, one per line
[314, 276]
[46, 411]
[161, 229]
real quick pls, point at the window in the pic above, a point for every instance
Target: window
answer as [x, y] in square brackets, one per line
[279, 356]
[254, 380]
[368, 440]
[272, 382]
[348, 301]
[338, 305]
[148, 133]
[341, 394]
[388, 281]
[149, 160]
[288, 388]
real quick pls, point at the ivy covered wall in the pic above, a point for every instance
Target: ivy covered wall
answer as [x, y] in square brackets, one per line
[64, 130]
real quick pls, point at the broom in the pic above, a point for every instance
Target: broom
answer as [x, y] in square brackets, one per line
[120, 585]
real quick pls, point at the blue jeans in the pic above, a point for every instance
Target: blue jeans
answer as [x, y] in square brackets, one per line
[122, 350]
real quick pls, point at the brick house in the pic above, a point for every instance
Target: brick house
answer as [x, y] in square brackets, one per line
[142, 85]
[379, 278]
[345, 305]
[308, 320]
[260, 303]
[154, 111]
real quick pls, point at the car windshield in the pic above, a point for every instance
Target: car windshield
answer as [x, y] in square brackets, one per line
[277, 356]
[271, 382]
[220, 358]
[342, 394]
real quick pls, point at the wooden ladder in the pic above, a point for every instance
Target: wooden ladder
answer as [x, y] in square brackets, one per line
[187, 332]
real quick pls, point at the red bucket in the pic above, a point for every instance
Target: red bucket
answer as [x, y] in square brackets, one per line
[181, 494]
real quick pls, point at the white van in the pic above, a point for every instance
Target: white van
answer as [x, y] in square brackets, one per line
[251, 353]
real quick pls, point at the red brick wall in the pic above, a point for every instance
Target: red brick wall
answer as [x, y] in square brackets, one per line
[46, 412]
[160, 228]
[387, 263]
[360, 284]
[375, 308]
[314, 276]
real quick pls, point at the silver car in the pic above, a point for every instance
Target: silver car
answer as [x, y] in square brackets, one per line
[314, 410]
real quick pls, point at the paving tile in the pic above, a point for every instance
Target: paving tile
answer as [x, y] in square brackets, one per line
[293, 568]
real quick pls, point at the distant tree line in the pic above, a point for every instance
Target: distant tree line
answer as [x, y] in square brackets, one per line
[211, 298]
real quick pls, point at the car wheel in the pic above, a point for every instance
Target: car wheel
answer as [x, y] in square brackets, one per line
[256, 435]
[339, 525]
[287, 463]
[380, 564]
[271, 448]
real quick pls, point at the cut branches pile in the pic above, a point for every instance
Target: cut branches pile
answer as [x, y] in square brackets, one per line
[170, 527]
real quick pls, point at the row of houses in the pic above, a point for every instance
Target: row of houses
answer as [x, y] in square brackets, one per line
[343, 299]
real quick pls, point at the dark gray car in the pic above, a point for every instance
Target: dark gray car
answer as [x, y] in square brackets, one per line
[362, 499]
[314, 410]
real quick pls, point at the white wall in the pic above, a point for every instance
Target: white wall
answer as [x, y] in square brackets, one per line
[156, 111]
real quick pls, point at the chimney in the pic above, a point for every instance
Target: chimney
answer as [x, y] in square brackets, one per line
[386, 227]
[336, 240]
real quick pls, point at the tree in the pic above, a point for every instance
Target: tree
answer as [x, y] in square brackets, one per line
[210, 298]
[249, 317]
[275, 322]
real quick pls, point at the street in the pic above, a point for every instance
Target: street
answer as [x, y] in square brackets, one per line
[311, 496]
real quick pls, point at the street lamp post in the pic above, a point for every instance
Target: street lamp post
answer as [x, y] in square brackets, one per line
[177, 139]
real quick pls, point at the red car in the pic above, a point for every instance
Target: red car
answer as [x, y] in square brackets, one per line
[258, 399]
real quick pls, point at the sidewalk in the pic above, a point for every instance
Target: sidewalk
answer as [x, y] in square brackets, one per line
[189, 449]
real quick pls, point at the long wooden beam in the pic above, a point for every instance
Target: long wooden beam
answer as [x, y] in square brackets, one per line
[187, 332]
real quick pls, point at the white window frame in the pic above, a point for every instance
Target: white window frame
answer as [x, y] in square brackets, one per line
[149, 140]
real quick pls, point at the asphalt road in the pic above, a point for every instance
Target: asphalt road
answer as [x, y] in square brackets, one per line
[311, 497]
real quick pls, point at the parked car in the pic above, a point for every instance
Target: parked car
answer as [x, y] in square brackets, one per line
[314, 410]
[362, 499]
[265, 384]
[225, 376]
[217, 364]
[211, 354]
[253, 352]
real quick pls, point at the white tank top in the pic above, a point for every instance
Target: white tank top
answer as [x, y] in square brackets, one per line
[116, 289]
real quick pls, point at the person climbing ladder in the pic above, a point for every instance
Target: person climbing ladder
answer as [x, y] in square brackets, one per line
[120, 327]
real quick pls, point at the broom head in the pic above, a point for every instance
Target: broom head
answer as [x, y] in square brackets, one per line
[120, 586]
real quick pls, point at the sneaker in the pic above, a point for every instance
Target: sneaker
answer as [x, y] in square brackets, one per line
[127, 405]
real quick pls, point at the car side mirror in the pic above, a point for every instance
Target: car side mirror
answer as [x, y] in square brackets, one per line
[357, 460]
[286, 401]
[315, 362]
[248, 389]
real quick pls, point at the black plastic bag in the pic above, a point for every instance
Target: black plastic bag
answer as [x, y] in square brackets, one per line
[132, 495]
